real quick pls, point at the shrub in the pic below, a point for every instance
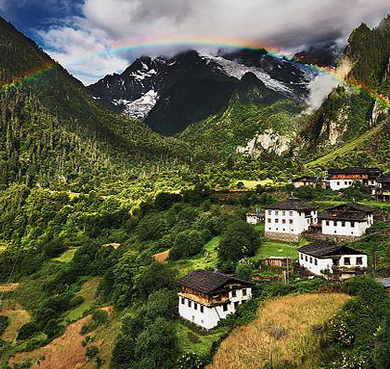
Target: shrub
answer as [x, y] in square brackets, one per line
[187, 243]
[27, 330]
[4, 322]
[239, 241]
[76, 301]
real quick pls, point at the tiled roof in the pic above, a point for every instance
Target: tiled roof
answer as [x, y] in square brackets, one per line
[321, 249]
[384, 281]
[305, 178]
[207, 281]
[384, 178]
[375, 171]
[346, 212]
[292, 205]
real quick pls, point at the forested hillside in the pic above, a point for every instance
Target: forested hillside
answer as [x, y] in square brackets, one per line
[352, 126]
[53, 132]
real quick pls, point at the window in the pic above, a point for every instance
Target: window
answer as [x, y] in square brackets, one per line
[183, 300]
[276, 212]
[244, 292]
[283, 221]
[305, 257]
[359, 261]
[283, 212]
[301, 256]
[311, 260]
[291, 221]
[225, 307]
[343, 224]
[347, 261]
[338, 183]
[352, 224]
[269, 228]
[269, 221]
[291, 213]
[236, 304]
[269, 212]
[276, 220]
[327, 223]
[315, 262]
[234, 293]
[195, 306]
[201, 309]
[189, 303]
[345, 182]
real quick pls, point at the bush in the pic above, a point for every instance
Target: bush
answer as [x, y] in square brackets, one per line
[187, 243]
[239, 241]
[76, 301]
[4, 322]
[52, 329]
[27, 330]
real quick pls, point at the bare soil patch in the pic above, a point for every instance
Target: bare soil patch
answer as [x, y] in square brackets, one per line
[162, 256]
[65, 352]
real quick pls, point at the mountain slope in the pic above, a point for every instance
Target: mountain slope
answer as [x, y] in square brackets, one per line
[171, 94]
[53, 132]
[352, 127]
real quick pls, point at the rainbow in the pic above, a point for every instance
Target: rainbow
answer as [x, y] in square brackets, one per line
[272, 51]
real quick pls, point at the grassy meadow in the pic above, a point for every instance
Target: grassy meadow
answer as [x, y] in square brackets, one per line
[294, 317]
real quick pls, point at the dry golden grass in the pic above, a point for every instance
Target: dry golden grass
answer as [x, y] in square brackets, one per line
[8, 287]
[17, 316]
[251, 346]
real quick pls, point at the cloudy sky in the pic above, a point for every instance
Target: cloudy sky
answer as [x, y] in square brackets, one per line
[92, 38]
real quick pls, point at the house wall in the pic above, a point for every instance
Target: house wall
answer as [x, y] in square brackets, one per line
[253, 218]
[288, 222]
[339, 184]
[335, 227]
[309, 262]
[211, 315]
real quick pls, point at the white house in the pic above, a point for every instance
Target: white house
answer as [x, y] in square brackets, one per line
[304, 181]
[346, 221]
[322, 257]
[344, 178]
[206, 297]
[382, 191]
[287, 220]
[254, 218]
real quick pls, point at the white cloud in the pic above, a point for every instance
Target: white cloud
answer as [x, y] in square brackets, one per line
[83, 44]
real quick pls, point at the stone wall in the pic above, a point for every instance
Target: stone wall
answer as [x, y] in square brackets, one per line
[327, 237]
[286, 237]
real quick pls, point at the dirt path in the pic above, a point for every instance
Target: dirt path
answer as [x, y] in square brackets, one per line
[65, 352]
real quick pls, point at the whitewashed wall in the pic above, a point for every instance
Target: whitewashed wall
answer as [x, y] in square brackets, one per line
[299, 222]
[309, 262]
[334, 227]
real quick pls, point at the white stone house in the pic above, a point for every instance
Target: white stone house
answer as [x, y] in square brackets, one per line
[346, 221]
[206, 297]
[323, 257]
[304, 181]
[254, 218]
[343, 178]
[287, 220]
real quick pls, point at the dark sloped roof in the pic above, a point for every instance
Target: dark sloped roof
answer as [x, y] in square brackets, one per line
[292, 205]
[374, 171]
[384, 178]
[384, 281]
[346, 212]
[207, 281]
[321, 249]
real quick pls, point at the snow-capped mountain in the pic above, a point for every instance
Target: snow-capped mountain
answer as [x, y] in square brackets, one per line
[170, 94]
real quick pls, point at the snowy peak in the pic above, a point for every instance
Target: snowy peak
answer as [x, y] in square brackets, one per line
[150, 88]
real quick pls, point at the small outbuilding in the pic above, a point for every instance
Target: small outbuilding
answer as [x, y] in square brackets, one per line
[206, 297]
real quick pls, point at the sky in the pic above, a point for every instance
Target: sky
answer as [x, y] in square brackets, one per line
[93, 38]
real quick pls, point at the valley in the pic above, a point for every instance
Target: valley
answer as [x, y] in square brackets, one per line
[115, 197]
